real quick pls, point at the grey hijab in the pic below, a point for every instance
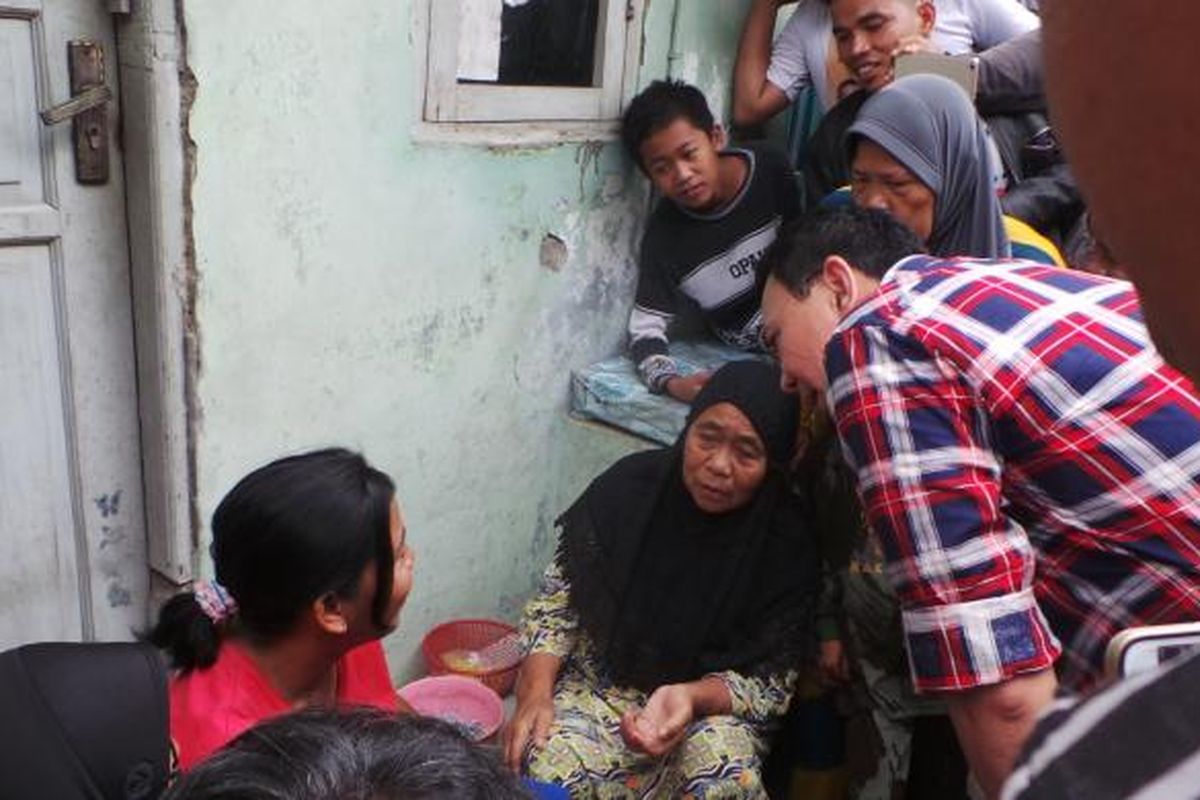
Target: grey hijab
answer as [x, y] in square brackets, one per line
[927, 124]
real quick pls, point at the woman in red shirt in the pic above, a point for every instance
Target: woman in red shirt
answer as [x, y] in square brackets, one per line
[311, 569]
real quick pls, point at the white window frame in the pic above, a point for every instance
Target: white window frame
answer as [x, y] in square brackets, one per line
[448, 101]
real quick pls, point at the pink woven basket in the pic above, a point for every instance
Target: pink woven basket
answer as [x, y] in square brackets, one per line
[486, 638]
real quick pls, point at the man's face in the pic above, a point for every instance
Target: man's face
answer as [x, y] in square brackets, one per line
[796, 330]
[868, 32]
[684, 164]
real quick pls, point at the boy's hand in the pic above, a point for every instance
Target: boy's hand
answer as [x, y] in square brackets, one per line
[685, 389]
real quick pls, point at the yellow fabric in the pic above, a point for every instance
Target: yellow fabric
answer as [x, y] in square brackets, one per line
[1022, 235]
[829, 784]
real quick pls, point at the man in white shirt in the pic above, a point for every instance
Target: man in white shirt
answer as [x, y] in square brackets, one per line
[768, 78]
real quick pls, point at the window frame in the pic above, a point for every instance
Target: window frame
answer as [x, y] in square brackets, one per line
[448, 101]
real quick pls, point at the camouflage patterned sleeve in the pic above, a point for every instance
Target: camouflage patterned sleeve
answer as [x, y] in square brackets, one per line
[758, 700]
[548, 625]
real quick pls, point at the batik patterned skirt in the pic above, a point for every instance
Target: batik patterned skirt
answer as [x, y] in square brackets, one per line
[721, 757]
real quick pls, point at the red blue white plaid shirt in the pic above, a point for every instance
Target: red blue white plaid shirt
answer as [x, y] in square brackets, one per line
[1028, 461]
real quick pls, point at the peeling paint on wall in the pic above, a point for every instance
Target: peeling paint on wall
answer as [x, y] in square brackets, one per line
[553, 253]
[587, 156]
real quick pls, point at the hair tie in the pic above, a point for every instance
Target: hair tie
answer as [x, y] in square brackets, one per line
[214, 600]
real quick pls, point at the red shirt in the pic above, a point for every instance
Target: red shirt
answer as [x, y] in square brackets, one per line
[211, 707]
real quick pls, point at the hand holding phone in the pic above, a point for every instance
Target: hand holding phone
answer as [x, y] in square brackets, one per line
[963, 70]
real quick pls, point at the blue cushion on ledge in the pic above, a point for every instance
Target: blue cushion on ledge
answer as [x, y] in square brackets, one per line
[611, 392]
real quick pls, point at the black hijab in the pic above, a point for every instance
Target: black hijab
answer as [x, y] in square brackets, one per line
[87, 722]
[669, 592]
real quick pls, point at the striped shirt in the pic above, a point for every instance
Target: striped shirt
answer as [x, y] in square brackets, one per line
[1139, 739]
[709, 261]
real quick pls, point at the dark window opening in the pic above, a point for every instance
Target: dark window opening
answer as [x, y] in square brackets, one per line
[549, 43]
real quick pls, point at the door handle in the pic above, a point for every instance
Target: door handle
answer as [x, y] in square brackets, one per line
[92, 97]
[86, 110]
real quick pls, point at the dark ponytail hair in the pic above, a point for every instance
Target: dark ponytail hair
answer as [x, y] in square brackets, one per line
[285, 535]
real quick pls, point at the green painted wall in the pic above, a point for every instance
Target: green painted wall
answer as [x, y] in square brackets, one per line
[359, 287]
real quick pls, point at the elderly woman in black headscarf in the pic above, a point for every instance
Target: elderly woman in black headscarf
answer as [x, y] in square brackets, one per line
[665, 638]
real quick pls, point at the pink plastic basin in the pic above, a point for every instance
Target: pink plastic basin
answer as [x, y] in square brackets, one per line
[462, 701]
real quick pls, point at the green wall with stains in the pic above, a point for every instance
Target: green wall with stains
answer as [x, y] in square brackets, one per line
[359, 285]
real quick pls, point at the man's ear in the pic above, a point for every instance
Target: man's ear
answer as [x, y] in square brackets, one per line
[840, 277]
[927, 14]
[718, 136]
[329, 612]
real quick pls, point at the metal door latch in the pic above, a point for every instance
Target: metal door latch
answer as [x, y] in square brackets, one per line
[86, 110]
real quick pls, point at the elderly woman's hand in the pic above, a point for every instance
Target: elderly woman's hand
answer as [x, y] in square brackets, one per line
[535, 707]
[531, 722]
[661, 725]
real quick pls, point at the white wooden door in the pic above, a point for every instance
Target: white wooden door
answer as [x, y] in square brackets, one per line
[72, 537]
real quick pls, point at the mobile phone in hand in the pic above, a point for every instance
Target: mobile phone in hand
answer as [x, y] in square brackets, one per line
[962, 69]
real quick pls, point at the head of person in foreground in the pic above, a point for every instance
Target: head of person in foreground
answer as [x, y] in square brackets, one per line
[361, 754]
